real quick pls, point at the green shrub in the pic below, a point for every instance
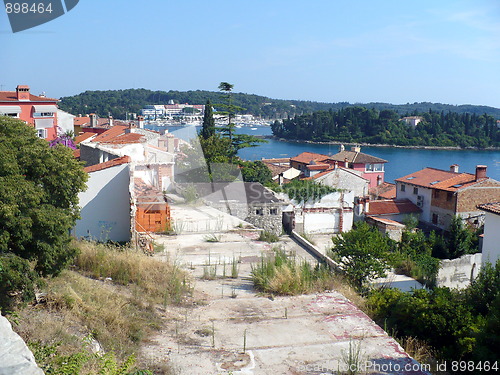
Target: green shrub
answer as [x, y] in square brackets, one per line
[17, 281]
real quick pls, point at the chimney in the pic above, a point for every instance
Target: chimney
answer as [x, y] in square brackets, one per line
[336, 164]
[480, 172]
[93, 120]
[356, 148]
[140, 120]
[170, 143]
[367, 205]
[454, 168]
[341, 148]
[110, 120]
[346, 163]
[23, 93]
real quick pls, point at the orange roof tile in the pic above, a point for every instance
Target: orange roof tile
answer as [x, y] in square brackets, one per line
[391, 207]
[493, 207]
[79, 121]
[434, 178]
[307, 157]
[117, 135]
[107, 164]
[385, 190]
[82, 137]
[317, 167]
[11, 96]
[76, 153]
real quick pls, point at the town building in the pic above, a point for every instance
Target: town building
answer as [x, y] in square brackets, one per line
[281, 171]
[333, 213]
[443, 194]
[412, 121]
[369, 167]
[37, 111]
[139, 165]
[491, 238]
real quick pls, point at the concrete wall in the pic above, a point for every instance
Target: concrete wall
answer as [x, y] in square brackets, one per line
[491, 240]
[458, 273]
[105, 206]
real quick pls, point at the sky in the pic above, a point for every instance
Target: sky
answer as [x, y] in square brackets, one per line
[358, 51]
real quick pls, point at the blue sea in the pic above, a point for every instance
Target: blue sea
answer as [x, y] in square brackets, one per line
[400, 161]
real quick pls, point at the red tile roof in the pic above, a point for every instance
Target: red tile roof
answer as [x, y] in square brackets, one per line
[11, 96]
[76, 153]
[79, 121]
[392, 207]
[107, 164]
[117, 135]
[356, 157]
[434, 178]
[307, 157]
[385, 190]
[493, 207]
[318, 167]
[82, 137]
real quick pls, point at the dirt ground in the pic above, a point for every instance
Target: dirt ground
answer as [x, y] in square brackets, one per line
[234, 330]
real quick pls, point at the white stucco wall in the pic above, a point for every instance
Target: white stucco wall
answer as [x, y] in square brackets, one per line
[105, 206]
[491, 241]
[426, 193]
[346, 180]
[65, 121]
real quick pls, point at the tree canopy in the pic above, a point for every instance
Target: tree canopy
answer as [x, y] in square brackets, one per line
[39, 188]
[120, 102]
[361, 124]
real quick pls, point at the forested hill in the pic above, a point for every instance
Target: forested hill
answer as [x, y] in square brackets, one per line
[119, 102]
[363, 125]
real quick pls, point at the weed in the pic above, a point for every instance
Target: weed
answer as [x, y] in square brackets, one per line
[212, 238]
[268, 237]
[352, 359]
[284, 274]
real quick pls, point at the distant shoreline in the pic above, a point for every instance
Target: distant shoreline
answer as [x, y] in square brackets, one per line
[362, 144]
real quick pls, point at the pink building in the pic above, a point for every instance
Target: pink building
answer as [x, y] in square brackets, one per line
[37, 111]
[369, 167]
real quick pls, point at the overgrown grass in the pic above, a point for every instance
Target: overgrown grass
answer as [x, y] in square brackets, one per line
[268, 237]
[112, 297]
[284, 274]
[162, 281]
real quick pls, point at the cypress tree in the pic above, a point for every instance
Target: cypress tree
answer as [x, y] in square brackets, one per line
[208, 127]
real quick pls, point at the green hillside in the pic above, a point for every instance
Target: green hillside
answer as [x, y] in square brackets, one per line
[119, 102]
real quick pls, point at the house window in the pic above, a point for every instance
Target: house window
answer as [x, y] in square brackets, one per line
[43, 114]
[449, 196]
[415, 190]
[273, 211]
[435, 218]
[259, 211]
[41, 133]
[403, 187]
[378, 167]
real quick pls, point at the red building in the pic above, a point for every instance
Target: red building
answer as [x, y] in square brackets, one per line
[37, 111]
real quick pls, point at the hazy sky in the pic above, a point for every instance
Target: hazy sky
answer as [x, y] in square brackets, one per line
[397, 51]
